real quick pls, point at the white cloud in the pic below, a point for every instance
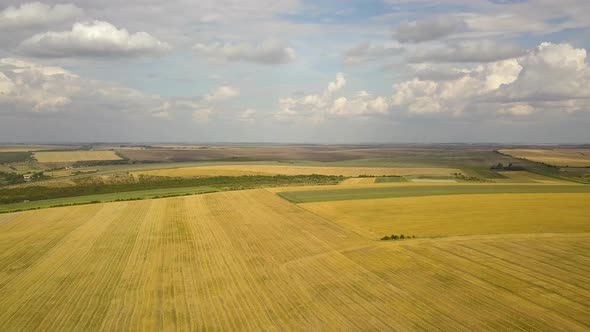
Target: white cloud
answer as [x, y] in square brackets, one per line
[428, 29]
[222, 93]
[316, 107]
[549, 77]
[270, 52]
[36, 14]
[92, 39]
[337, 84]
[27, 87]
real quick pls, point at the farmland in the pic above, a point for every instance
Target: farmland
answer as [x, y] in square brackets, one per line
[251, 260]
[305, 195]
[556, 157]
[236, 170]
[447, 215]
[265, 237]
[74, 156]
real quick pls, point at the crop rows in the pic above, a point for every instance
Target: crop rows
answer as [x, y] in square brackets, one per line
[249, 260]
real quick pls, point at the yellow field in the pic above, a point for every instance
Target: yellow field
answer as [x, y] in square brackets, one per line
[524, 176]
[73, 156]
[357, 181]
[236, 170]
[249, 260]
[557, 157]
[460, 214]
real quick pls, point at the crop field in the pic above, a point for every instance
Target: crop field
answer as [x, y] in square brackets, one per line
[434, 216]
[249, 260]
[524, 176]
[319, 194]
[358, 181]
[74, 156]
[236, 170]
[556, 157]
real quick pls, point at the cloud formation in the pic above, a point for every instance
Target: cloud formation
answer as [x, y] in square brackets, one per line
[269, 53]
[222, 93]
[427, 29]
[547, 76]
[316, 107]
[36, 14]
[28, 87]
[468, 51]
[92, 39]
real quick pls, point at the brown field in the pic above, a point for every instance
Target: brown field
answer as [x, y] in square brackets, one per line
[408, 155]
[236, 170]
[556, 157]
[249, 260]
[74, 156]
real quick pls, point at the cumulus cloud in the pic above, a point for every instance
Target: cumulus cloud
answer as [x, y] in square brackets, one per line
[92, 39]
[27, 87]
[318, 106]
[270, 52]
[468, 51]
[337, 84]
[427, 29]
[222, 93]
[550, 76]
[361, 104]
[36, 14]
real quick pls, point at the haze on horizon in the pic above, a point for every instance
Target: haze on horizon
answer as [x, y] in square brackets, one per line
[332, 71]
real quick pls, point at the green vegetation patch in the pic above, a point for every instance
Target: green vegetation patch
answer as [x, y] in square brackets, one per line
[392, 192]
[389, 179]
[103, 198]
[35, 193]
[14, 157]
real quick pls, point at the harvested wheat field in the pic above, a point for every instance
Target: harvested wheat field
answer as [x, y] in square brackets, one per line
[236, 170]
[556, 157]
[357, 181]
[471, 214]
[74, 156]
[249, 260]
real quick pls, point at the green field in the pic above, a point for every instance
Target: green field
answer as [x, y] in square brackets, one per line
[390, 179]
[102, 198]
[306, 196]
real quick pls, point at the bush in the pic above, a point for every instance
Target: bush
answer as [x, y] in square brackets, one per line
[397, 237]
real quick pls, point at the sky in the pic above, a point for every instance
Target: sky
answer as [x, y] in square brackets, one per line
[295, 71]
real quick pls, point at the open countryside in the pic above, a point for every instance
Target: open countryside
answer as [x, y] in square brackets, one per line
[109, 266]
[237, 170]
[556, 157]
[295, 165]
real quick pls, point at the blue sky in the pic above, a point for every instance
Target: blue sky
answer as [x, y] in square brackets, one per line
[334, 71]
